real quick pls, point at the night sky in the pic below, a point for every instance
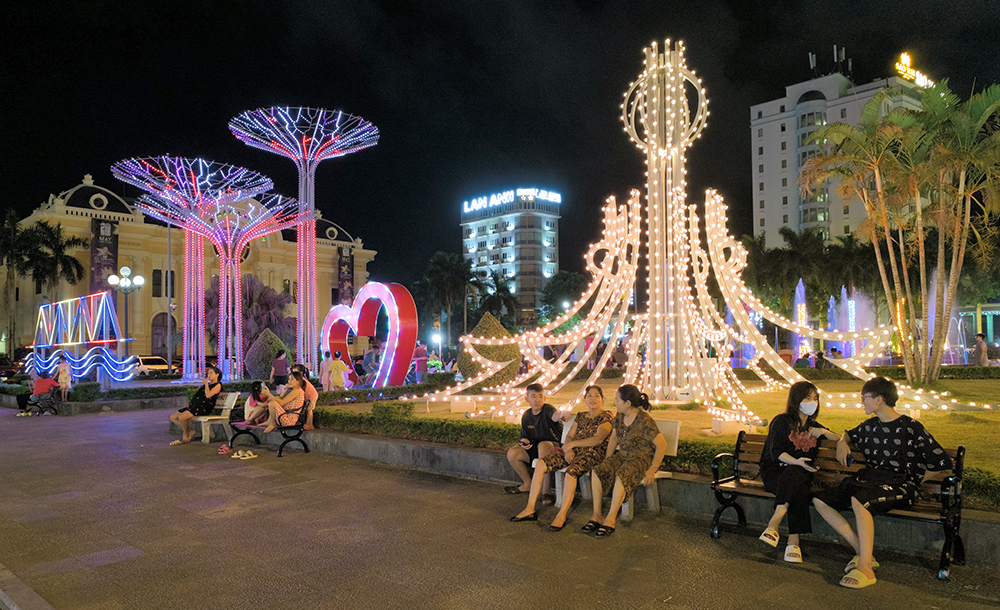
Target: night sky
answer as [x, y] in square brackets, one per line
[471, 96]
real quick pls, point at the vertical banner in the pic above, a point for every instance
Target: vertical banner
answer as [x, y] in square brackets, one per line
[103, 253]
[345, 276]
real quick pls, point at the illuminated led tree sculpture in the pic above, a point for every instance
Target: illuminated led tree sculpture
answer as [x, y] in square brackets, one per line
[306, 136]
[212, 201]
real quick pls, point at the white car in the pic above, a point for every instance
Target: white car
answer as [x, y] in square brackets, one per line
[148, 364]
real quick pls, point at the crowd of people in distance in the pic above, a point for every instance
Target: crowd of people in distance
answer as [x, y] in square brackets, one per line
[626, 449]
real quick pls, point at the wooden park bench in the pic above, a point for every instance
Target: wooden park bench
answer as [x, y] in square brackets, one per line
[291, 433]
[939, 499]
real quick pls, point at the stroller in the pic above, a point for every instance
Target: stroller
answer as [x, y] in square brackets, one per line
[45, 404]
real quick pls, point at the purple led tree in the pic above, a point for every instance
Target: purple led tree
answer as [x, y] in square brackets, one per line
[213, 201]
[306, 136]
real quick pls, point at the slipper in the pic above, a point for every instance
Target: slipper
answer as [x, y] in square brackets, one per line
[249, 455]
[555, 528]
[225, 450]
[513, 490]
[854, 563]
[548, 500]
[238, 455]
[590, 526]
[793, 554]
[860, 580]
[770, 536]
[175, 443]
[604, 531]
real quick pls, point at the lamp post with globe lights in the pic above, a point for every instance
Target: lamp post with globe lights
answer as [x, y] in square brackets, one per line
[125, 284]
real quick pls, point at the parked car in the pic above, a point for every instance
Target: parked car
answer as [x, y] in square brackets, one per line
[149, 364]
[7, 368]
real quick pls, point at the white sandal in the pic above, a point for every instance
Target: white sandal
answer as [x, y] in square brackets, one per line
[239, 455]
[854, 563]
[793, 554]
[770, 536]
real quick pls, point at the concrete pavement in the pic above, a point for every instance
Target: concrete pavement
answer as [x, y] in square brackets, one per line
[98, 512]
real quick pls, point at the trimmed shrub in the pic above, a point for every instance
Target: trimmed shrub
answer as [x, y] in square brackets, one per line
[262, 353]
[88, 391]
[441, 380]
[14, 389]
[489, 327]
[150, 392]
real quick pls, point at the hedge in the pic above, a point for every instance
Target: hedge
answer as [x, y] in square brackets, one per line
[13, 389]
[892, 372]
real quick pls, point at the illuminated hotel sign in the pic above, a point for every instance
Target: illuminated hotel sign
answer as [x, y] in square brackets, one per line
[495, 199]
[907, 72]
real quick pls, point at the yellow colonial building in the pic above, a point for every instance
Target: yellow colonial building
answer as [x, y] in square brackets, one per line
[121, 236]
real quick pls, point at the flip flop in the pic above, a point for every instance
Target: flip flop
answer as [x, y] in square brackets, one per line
[590, 526]
[854, 563]
[770, 536]
[225, 450]
[860, 580]
[249, 455]
[793, 554]
[238, 455]
[604, 531]
[513, 490]
[175, 443]
[548, 500]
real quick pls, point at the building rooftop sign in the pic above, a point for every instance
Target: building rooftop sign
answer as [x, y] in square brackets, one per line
[907, 72]
[501, 198]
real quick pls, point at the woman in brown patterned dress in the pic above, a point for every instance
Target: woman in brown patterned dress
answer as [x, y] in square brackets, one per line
[641, 450]
[585, 447]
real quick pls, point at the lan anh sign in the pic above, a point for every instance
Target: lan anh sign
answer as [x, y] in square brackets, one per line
[906, 71]
[508, 197]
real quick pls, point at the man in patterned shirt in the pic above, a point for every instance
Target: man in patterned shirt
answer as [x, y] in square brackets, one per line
[899, 455]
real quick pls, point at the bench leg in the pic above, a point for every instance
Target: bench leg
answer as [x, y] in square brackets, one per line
[305, 447]
[240, 433]
[560, 479]
[628, 507]
[653, 497]
[952, 542]
[726, 502]
[583, 484]
[206, 432]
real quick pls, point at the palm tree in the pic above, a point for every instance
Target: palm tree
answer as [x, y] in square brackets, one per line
[16, 252]
[263, 308]
[498, 299]
[445, 280]
[53, 262]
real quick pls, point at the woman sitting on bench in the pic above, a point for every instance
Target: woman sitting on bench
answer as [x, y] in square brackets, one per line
[202, 404]
[642, 448]
[283, 409]
[256, 407]
[785, 468]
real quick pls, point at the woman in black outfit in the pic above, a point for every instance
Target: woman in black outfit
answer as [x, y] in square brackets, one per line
[203, 403]
[784, 465]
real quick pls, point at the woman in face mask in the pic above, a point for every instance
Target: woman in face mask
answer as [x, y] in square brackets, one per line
[785, 465]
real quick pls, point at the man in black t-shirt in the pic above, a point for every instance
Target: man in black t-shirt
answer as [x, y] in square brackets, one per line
[541, 435]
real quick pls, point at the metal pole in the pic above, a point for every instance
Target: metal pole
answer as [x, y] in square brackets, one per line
[170, 311]
[126, 325]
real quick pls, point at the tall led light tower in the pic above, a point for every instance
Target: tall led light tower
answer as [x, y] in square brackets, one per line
[199, 196]
[307, 136]
[661, 122]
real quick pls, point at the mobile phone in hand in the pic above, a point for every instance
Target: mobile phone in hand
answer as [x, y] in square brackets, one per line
[850, 459]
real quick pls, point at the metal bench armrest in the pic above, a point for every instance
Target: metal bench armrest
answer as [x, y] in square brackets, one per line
[717, 463]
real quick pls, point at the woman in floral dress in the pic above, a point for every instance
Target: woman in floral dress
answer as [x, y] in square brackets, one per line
[641, 448]
[585, 447]
[284, 409]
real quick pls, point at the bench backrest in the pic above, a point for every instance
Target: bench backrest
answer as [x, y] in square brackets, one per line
[671, 431]
[567, 427]
[750, 447]
[228, 401]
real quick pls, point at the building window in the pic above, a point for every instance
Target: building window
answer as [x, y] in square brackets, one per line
[784, 145]
[784, 182]
[784, 218]
[760, 114]
[782, 127]
[17, 293]
[760, 169]
[784, 163]
[157, 283]
[761, 187]
[843, 113]
[762, 204]
[38, 288]
[760, 133]
[170, 283]
[784, 201]
[482, 244]
[782, 108]
[847, 210]
[286, 286]
[847, 229]
[760, 150]
[762, 222]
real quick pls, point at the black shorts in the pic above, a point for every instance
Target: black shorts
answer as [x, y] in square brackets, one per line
[280, 379]
[533, 452]
[876, 496]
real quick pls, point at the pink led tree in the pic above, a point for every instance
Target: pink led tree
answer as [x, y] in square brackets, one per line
[306, 136]
[212, 201]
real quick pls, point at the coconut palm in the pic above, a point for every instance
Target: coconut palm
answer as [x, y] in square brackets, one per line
[52, 262]
[16, 251]
[263, 308]
[445, 280]
[497, 298]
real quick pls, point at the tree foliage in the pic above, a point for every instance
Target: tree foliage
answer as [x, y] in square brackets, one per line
[489, 327]
[563, 287]
[263, 308]
[18, 248]
[51, 260]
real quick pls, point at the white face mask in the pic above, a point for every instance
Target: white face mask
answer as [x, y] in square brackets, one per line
[808, 407]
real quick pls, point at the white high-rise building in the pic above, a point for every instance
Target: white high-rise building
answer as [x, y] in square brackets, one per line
[779, 131]
[515, 233]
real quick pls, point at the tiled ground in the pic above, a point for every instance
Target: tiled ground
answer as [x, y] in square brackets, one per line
[98, 512]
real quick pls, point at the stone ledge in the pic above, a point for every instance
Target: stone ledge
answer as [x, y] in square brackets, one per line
[83, 408]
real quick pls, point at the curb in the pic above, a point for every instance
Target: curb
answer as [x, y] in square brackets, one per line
[16, 595]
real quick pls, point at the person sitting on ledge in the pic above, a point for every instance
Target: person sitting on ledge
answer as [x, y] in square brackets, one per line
[42, 387]
[310, 394]
[283, 409]
[541, 433]
[201, 404]
[642, 448]
[899, 456]
[785, 468]
[586, 445]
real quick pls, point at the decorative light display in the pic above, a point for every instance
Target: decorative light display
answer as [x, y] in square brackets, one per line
[307, 136]
[87, 320]
[212, 201]
[361, 319]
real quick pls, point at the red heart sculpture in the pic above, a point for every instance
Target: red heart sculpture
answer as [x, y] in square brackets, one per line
[361, 318]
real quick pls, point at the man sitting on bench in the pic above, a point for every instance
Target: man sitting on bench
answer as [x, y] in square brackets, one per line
[899, 455]
[541, 433]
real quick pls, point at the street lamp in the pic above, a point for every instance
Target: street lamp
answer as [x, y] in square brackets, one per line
[126, 284]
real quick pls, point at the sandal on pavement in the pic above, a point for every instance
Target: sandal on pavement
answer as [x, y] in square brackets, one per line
[555, 528]
[225, 450]
[793, 554]
[860, 580]
[249, 455]
[513, 490]
[548, 500]
[531, 517]
[590, 526]
[854, 563]
[770, 536]
[238, 455]
[604, 531]
[175, 443]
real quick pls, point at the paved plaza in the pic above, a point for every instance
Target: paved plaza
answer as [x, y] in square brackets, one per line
[97, 512]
